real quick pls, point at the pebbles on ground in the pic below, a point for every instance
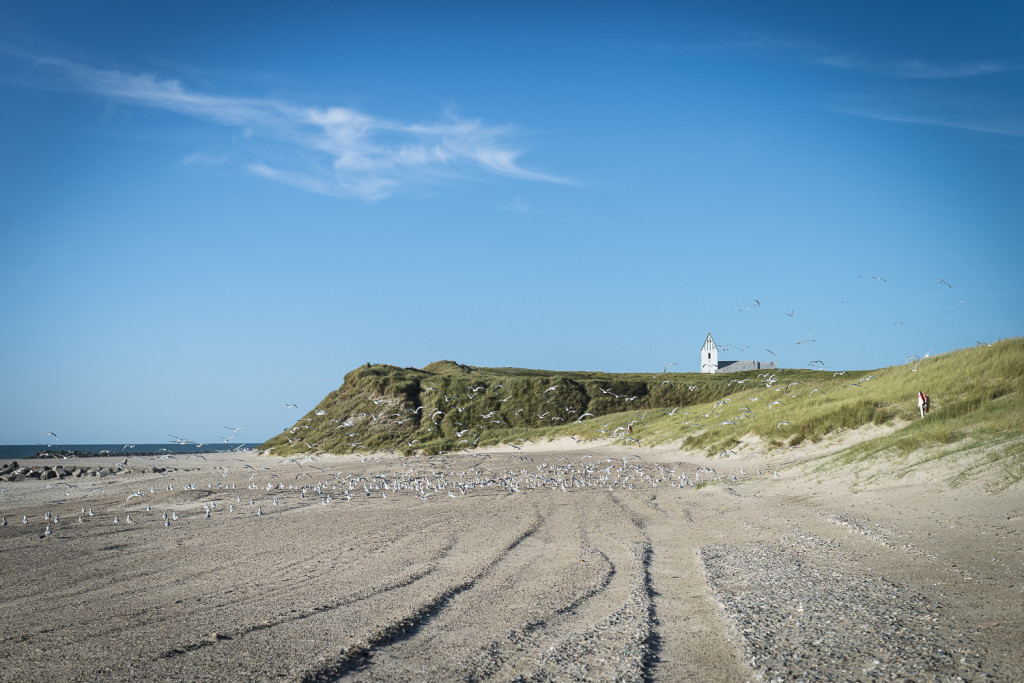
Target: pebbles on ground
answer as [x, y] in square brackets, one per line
[803, 617]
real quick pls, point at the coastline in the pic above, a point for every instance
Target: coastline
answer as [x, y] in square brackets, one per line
[10, 452]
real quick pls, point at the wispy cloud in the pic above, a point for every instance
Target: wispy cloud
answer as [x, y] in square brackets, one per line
[944, 121]
[816, 53]
[912, 68]
[517, 206]
[916, 68]
[938, 99]
[204, 159]
[837, 61]
[355, 153]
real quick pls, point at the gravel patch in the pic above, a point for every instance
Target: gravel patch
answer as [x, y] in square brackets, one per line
[803, 618]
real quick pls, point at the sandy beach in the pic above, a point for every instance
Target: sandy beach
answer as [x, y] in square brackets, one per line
[557, 561]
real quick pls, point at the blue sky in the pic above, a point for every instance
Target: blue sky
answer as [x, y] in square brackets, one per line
[207, 211]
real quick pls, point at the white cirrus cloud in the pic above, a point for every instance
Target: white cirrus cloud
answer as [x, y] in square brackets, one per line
[353, 153]
[913, 68]
[964, 122]
[205, 159]
[517, 206]
[917, 68]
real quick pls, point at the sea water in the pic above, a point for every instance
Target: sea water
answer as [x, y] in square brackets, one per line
[24, 452]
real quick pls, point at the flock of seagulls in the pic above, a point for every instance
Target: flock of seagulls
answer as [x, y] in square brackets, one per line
[721, 413]
[755, 304]
[287, 485]
[198, 444]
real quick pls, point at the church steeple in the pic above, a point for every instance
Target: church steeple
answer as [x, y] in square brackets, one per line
[709, 356]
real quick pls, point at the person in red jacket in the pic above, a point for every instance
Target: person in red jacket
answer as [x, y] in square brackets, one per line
[922, 403]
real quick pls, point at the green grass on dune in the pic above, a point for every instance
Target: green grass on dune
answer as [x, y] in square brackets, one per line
[975, 393]
[976, 423]
[446, 406]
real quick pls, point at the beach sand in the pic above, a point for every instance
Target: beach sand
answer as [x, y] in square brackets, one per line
[580, 574]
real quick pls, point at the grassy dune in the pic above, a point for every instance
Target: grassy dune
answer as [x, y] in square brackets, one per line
[446, 406]
[975, 394]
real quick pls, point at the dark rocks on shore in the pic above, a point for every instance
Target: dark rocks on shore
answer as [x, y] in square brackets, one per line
[15, 472]
[50, 453]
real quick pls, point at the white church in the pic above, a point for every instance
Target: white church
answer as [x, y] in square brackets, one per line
[709, 361]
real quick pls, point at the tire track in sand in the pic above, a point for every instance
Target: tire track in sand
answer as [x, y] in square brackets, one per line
[557, 583]
[358, 654]
[339, 602]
